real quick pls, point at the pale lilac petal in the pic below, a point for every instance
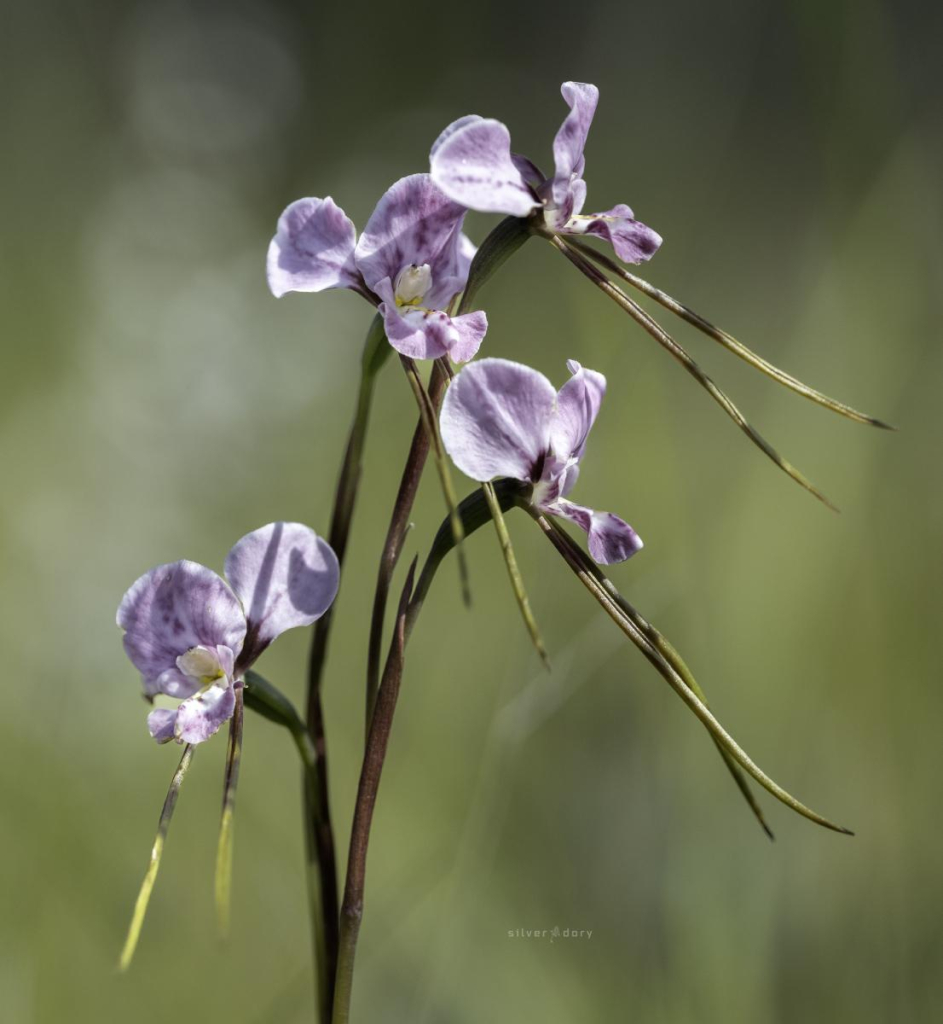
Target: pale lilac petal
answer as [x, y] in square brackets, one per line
[161, 723]
[570, 140]
[199, 717]
[632, 240]
[285, 576]
[611, 539]
[577, 407]
[530, 172]
[469, 330]
[168, 611]
[496, 419]
[431, 334]
[313, 249]
[471, 162]
[466, 253]
[414, 223]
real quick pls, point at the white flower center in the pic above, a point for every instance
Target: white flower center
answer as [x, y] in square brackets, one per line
[202, 665]
[412, 284]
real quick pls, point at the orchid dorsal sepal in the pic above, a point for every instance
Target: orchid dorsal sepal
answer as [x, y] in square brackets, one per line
[677, 683]
[681, 355]
[157, 851]
[728, 341]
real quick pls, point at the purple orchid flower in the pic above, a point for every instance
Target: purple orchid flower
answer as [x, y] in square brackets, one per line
[504, 419]
[472, 163]
[411, 261]
[192, 634]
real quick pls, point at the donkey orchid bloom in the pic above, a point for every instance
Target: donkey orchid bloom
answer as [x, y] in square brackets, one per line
[192, 634]
[472, 162]
[501, 418]
[411, 261]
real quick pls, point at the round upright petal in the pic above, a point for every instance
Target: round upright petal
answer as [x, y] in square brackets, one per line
[570, 140]
[414, 223]
[169, 611]
[632, 240]
[285, 576]
[200, 716]
[313, 249]
[496, 420]
[611, 539]
[471, 162]
[578, 404]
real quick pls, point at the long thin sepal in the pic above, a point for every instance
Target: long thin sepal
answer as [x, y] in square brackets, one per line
[224, 848]
[696, 705]
[674, 659]
[430, 420]
[680, 354]
[150, 876]
[728, 340]
[517, 582]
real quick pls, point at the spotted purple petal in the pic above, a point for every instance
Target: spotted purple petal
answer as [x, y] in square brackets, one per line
[632, 240]
[578, 404]
[160, 724]
[200, 716]
[570, 140]
[169, 611]
[313, 249]
[471, 162]
[285, 576]
[413, 224]
[496, 419]
[611, 539]
[430, 334]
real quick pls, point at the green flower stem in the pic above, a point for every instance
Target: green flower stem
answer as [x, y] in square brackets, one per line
[505, 239]
[153, 865]
[429, 418]
[224, 849]
[319, 836]
[269, 702]
[727, 340]
[664, 339]
[677, 683]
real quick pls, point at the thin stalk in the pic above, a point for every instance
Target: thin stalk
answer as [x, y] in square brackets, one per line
[262, 697]
[150, 876]
[503, 241]
[428, 414]
[320, 852]
[676, 682]
[514, 573]
[674, 659]
[372, 769]
[727, 340]
[680, 354]
[224, 849]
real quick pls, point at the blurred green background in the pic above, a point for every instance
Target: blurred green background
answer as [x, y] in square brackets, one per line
[158, 403]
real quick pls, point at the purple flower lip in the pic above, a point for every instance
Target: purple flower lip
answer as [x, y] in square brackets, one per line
[472, 163]
[504, 419]
[411, 260]
[192, 635]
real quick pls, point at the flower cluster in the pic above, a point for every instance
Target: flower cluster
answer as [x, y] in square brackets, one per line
[192, 635]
